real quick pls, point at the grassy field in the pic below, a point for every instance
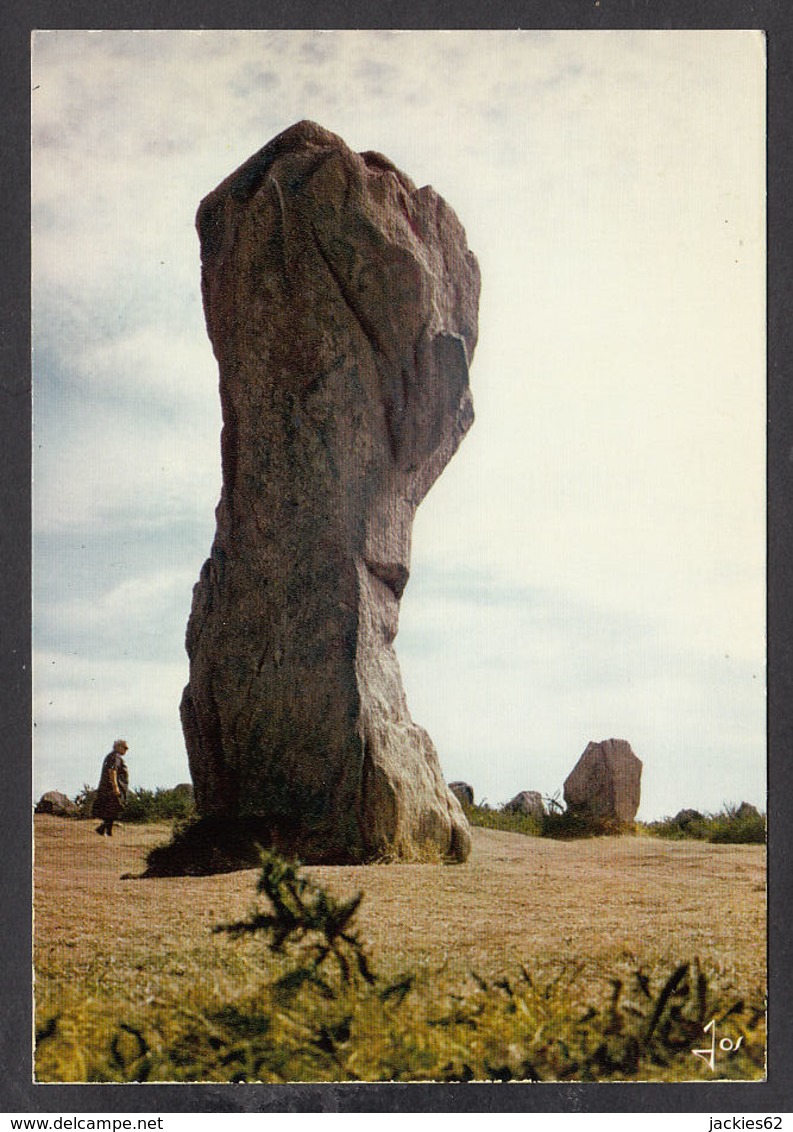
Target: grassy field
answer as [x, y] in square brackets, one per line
[525, 928]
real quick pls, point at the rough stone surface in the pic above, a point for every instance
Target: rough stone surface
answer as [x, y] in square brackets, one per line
[462, 792]
[606, 781]
[528, 802]
[341, 302]
[53, 802]
[747, 810]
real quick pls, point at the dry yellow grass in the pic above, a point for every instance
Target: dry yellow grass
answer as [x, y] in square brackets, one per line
[516, 898]
[108, 948]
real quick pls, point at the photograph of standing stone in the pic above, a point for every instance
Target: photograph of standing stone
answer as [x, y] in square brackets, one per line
[341, 302]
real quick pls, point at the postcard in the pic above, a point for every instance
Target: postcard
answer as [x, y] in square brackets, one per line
[399, 439]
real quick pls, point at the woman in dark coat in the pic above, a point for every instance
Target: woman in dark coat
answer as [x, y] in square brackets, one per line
[111, 794]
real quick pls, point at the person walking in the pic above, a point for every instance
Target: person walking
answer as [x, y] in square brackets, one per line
[111, 794]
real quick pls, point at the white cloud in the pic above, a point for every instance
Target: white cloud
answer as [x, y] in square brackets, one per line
[138, 466]
[163, 371]
[141, 615]
[515, 685]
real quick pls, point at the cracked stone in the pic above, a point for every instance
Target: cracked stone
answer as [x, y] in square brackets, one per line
[341, 302]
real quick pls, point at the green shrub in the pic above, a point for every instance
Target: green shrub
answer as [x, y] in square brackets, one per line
[309, 923]
[160, 805]
[556, 823]
[503, 820]
[730, 825]
[85, 801]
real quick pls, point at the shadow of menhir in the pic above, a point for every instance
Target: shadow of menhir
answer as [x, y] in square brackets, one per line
[341, 302]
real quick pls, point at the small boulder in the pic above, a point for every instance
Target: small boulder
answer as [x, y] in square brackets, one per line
[686, 817]
[605, 782]
[528, 802]
[462, 792]
[747, 810]
[53, 802]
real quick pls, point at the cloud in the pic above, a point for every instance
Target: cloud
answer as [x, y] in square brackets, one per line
[144, 366]
[596, 547]
[512, 684]
[109, 467]
[141, 616]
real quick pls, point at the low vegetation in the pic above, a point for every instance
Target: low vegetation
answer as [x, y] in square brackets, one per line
[319, 1008]
[556, 822]
[329, 1015]
[737, 825]
[504, 820]
[160, 805]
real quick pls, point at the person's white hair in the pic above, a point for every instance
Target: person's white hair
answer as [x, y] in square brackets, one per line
[120, 744]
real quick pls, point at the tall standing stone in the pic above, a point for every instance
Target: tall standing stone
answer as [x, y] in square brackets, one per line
[341, 302]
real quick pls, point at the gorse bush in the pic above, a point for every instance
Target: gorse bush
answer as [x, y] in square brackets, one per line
[737, 825]
[160, 805]
[84, 800]
[308, 918]
[328, 1015]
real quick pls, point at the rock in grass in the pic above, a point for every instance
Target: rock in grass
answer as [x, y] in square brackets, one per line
[527, 802]
[605, 782]
[341, 302]
[53, 802]
[462, 792]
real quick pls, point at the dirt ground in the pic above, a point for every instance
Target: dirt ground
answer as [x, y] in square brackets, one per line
[595, 906]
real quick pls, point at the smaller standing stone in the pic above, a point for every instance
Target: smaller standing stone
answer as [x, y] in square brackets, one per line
[528, 802]
[605, 782]
[747, 810]
[462, 792]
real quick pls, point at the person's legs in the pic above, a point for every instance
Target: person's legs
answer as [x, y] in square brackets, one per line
[100, 829]
[109, 827]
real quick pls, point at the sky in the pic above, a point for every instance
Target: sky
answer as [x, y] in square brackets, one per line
[591, 564]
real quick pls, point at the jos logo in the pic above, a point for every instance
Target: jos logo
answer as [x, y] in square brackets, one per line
[726, 1045]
